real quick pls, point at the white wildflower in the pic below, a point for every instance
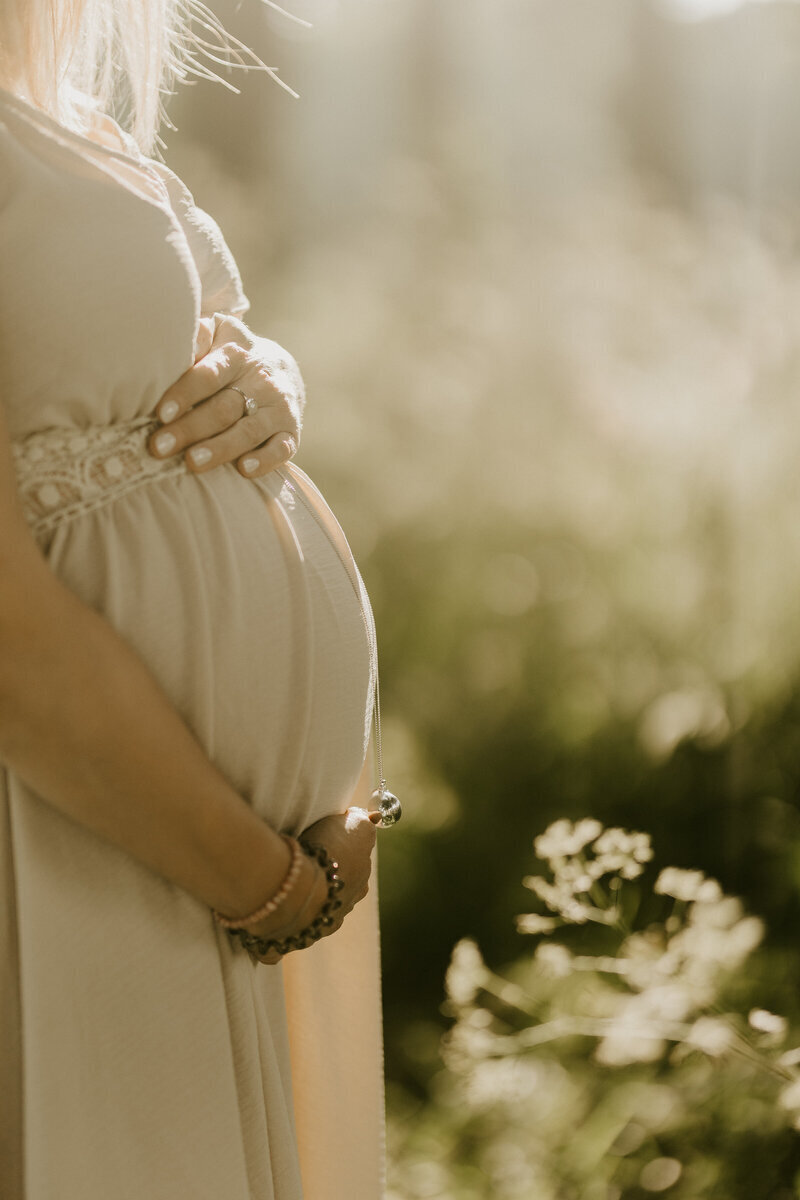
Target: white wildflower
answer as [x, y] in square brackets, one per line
[666, 1002]
[553, 959]
[767, 1022]
[466, 973]
[563, 839]
[744, 937]
[718, 914]
[574, 874]
[642, 1024]
[656, 1008]
[478, 1018]
[645, 959]
[708, 892]
[618, 850]
[507, 1080]
[681, 885]
[641, 848]
[467, 1044]
[560, 898]
[613, 841]
[710, 1035]
[579, 913]
[622, 1046]
[533, 923]
[708, 946]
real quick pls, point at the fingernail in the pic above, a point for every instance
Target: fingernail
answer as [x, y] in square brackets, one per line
[250, 464]
[165, 442]
[199, 455]
[168, 410]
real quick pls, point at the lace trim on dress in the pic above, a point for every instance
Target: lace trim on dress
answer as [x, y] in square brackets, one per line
[64, 473]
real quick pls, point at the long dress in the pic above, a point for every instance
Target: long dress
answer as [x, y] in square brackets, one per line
[143, 1054]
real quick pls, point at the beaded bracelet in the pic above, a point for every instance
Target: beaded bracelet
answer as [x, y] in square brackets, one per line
[277, 900]
[312, 932]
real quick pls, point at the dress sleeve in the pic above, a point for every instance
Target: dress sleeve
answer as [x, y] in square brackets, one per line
[219, 274]
[222, 289]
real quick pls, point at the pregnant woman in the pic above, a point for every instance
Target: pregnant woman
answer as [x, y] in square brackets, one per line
[189, 959]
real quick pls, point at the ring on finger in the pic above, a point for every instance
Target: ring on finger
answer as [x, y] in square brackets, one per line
[250, 405]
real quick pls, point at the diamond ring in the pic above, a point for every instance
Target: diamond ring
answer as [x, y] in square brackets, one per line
[250, 405]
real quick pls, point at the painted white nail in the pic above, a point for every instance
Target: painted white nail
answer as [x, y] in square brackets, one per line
[199, 455]
[165, 442]
[168, 411]
[250, 464]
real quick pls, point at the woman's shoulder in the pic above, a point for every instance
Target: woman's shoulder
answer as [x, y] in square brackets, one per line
[217, 267]
[28, 127]
[222, 282]
[22, 128]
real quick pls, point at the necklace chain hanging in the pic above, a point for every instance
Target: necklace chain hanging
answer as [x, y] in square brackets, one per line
[389, 806]
[387, 803]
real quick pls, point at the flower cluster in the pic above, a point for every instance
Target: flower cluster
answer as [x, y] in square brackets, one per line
[579, 856]
[602, 1075]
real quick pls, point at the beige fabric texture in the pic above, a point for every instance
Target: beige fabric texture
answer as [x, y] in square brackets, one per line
[143, 1055]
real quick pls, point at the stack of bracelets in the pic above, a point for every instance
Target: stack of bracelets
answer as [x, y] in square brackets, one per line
[313, 931]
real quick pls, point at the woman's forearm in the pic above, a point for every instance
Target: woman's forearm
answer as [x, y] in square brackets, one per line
[85, 724]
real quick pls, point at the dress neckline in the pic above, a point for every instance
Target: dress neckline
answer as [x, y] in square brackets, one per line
[64, 131]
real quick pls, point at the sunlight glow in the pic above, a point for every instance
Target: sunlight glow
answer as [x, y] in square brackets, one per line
[701, 10]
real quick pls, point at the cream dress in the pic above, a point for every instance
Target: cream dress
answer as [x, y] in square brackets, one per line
[143, 1054]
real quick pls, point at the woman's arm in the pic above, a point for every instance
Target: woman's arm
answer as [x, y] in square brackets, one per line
[85, 724]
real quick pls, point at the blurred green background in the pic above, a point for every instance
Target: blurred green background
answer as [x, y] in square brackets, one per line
[538, 261]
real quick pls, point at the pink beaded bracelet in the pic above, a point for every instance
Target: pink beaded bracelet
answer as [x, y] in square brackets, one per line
[277, 900]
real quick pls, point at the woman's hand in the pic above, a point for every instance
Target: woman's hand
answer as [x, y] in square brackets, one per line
[202, 415]
[349, 839]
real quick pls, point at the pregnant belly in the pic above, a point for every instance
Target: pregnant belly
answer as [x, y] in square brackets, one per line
[242, 598]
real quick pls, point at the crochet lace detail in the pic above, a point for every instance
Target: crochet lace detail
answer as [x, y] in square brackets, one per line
[64, 473]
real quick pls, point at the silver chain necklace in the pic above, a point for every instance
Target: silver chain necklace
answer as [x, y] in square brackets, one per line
[387, 803]
[389, 806]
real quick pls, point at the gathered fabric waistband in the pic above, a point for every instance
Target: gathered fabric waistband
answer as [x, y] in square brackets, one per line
[63, 473]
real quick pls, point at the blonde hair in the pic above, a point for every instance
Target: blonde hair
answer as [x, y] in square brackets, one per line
[119, 56]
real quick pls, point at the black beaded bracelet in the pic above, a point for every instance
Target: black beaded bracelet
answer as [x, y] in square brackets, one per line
[323, 920]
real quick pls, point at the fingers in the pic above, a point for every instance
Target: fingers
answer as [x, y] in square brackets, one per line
[251, 440]
[222, 365]
[220, 412]
[198, 432]
[364, 823]
[210, 426]
[276, 451]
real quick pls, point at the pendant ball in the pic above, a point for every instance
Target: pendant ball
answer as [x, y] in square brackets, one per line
[389, 807]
